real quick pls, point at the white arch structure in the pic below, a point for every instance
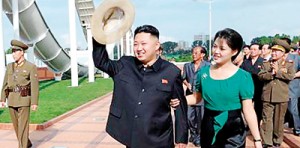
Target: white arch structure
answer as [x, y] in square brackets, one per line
[46, 48]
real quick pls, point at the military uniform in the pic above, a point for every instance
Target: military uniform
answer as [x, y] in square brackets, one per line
[275, 99]
[21, 90]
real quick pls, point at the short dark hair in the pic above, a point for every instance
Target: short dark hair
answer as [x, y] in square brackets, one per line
[147, 29]
[233, 39]
[269, 45]
[203, 49]
[246, 46]
[259, 45]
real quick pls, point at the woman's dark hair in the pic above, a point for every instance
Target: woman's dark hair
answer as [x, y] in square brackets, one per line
[233, 39]
[147, 29]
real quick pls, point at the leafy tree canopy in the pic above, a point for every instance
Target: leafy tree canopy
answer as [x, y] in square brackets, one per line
[8, 51]
[197, 43]
[169, 46]
[269, 39]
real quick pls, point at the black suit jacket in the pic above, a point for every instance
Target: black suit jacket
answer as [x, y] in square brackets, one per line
[140, 115]
[254, 69]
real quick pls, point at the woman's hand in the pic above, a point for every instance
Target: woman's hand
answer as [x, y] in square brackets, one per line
[258, 144]
[174, 103]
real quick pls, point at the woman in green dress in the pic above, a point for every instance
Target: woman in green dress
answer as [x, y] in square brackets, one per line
[227, 91]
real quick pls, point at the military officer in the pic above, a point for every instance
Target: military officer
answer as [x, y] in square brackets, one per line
[20, 90]
[276, 74]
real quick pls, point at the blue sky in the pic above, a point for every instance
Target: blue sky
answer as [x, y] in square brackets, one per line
[182, 19]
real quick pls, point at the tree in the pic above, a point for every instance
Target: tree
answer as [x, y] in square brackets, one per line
[197, 43]
[8, 51]
[269, 39]
[265, 40]
[206, 45]
[169, 46]
[255, 40]
[296, 39]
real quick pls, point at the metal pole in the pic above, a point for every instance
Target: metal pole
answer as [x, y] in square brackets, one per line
[122, 49]
[210, 37]
[15, 11]
[90, 54]
[2, 51]
[73, 44]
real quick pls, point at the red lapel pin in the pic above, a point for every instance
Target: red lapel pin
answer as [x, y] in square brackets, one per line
[164, 81]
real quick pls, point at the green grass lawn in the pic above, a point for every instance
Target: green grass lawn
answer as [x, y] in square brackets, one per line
[58, 97]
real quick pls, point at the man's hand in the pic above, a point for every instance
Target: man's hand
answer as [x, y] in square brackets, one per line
[189, 86]
[2, 104]
[174, 102]
[275, 67]
[34, 107]
[181, 145]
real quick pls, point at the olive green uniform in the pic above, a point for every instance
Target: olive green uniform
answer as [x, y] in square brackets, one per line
[275, 100]
[24, 76]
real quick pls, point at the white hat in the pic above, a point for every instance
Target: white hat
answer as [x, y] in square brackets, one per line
[111, 20]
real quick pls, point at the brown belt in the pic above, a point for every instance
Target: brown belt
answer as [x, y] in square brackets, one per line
[23, 90]
[16, 90]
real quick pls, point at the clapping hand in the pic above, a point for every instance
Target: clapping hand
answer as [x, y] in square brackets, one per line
[274, 66]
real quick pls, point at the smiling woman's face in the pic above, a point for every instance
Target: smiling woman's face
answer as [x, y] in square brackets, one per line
[222, 53]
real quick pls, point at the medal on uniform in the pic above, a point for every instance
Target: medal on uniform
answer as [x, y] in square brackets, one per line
[283, 70]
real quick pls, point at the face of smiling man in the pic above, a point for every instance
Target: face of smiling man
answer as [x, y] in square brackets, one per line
[146, 48]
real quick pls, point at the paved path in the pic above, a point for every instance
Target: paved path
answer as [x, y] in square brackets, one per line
[83, 129]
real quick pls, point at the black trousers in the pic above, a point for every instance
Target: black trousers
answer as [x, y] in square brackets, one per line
[195, 115]
[232, 135]
[258, 109]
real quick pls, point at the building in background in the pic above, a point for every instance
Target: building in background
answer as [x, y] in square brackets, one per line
[183, 45]
[201, 37]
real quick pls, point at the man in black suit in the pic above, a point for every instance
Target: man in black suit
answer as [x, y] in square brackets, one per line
[253, 66]
[140, 115]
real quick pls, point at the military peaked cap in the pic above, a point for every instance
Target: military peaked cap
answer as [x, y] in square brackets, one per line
[281, 45]
[16, 44]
